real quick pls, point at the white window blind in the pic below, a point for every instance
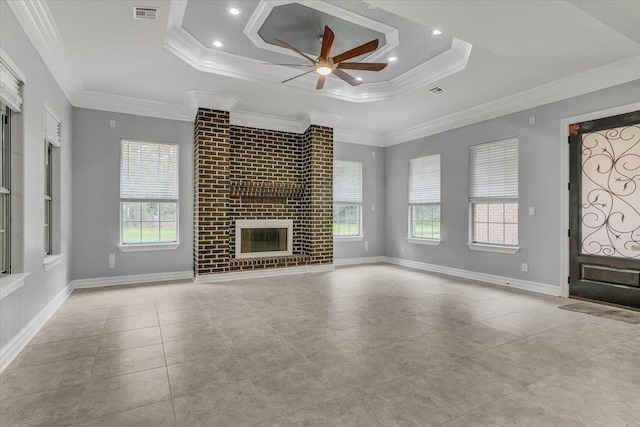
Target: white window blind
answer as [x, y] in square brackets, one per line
[493, 170]
[347, 182]
[424, 180]
[10, 88]
[51, 127]
[148, 171]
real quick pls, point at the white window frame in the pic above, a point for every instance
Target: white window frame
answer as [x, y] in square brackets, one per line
[337, 202]
[150, 246]
[52, 141]
[492, 199]
[431, 199]
[5, 189]
[13, 79]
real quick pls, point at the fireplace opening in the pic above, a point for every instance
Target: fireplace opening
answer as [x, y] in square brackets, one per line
[261, 238]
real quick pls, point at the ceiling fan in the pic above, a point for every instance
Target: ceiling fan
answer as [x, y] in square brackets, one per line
[325, 65]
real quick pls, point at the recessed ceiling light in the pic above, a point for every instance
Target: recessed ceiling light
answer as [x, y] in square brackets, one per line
[359, 79]
[232, 10]
[218, 43]
[393, 58]
[436, 32]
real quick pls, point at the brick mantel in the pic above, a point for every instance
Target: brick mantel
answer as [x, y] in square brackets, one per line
[248, 173]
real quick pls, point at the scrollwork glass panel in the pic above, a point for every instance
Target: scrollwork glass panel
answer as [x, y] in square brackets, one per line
[610, 222]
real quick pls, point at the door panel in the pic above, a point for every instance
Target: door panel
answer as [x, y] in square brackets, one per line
[605, 209]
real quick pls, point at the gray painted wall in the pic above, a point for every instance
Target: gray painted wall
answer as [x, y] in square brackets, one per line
[27, 232]
[372, 197]
[540, 186]
[96, 189]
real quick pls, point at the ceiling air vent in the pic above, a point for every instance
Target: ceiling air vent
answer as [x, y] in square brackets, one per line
[437, 90]
[145, 12]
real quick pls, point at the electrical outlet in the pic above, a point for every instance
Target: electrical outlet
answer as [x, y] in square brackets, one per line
[525, 267]
[402, 249]
[373, 207]
[112, 260]
[532, 120]
[532, 210]
[366, 246]
[373, 154]
[112, 123]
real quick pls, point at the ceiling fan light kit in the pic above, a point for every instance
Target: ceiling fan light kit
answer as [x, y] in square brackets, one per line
[325, 65]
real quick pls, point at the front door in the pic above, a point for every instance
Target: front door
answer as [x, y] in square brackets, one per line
[605, 210]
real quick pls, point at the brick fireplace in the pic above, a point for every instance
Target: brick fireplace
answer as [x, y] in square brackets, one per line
[244, 173]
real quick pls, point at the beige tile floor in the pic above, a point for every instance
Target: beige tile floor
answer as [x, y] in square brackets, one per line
[367, 345]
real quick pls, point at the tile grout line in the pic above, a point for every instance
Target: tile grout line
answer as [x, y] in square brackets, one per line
[166, 366]
[86, 384]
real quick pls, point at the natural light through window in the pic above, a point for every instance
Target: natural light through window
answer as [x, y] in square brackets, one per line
[424, 197]
[148, 192]
[493, 193]
[347, 198]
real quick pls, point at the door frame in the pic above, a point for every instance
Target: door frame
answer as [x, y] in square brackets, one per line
[564, 179]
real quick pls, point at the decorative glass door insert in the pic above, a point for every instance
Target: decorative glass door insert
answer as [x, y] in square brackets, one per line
[610, 223]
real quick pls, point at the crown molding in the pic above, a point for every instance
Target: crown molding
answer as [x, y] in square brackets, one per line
[361, 138]
[322, 118]
[264, 8]
[204, 58]
[37, 22]
[619, 72]
[195, 99]
[447, 63]
[266, 121]
[129, 105]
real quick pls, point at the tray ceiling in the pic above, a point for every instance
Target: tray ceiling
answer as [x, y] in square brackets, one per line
[247, 44]
[104, 59]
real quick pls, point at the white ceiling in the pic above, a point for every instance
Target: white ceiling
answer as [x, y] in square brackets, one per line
[525, 53]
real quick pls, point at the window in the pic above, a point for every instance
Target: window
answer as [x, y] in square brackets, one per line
[5, 192]
[493, 193]
[347, 198]
[51, 142]
[48, 211]
[148, 193]
[424, 197]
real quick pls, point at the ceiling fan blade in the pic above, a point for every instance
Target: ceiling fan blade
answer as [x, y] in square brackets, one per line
[327, 42]
[320, 83]
[357, 51]
[366, 66]
[287, 45]
[299, 75]
[288, 65]
[346, 77]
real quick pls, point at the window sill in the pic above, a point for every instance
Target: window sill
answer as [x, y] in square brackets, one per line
[145, 247]
[51, 261]
[348, 238]
[512, 250]
[11, 283]
[430, 242]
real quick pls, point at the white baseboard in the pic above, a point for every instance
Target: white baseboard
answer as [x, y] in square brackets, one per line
[542, 288]
[130, 280]
[11, 349]
[356, 261]
[267, 272]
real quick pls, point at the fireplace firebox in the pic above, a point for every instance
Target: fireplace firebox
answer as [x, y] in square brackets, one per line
[263, 238]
